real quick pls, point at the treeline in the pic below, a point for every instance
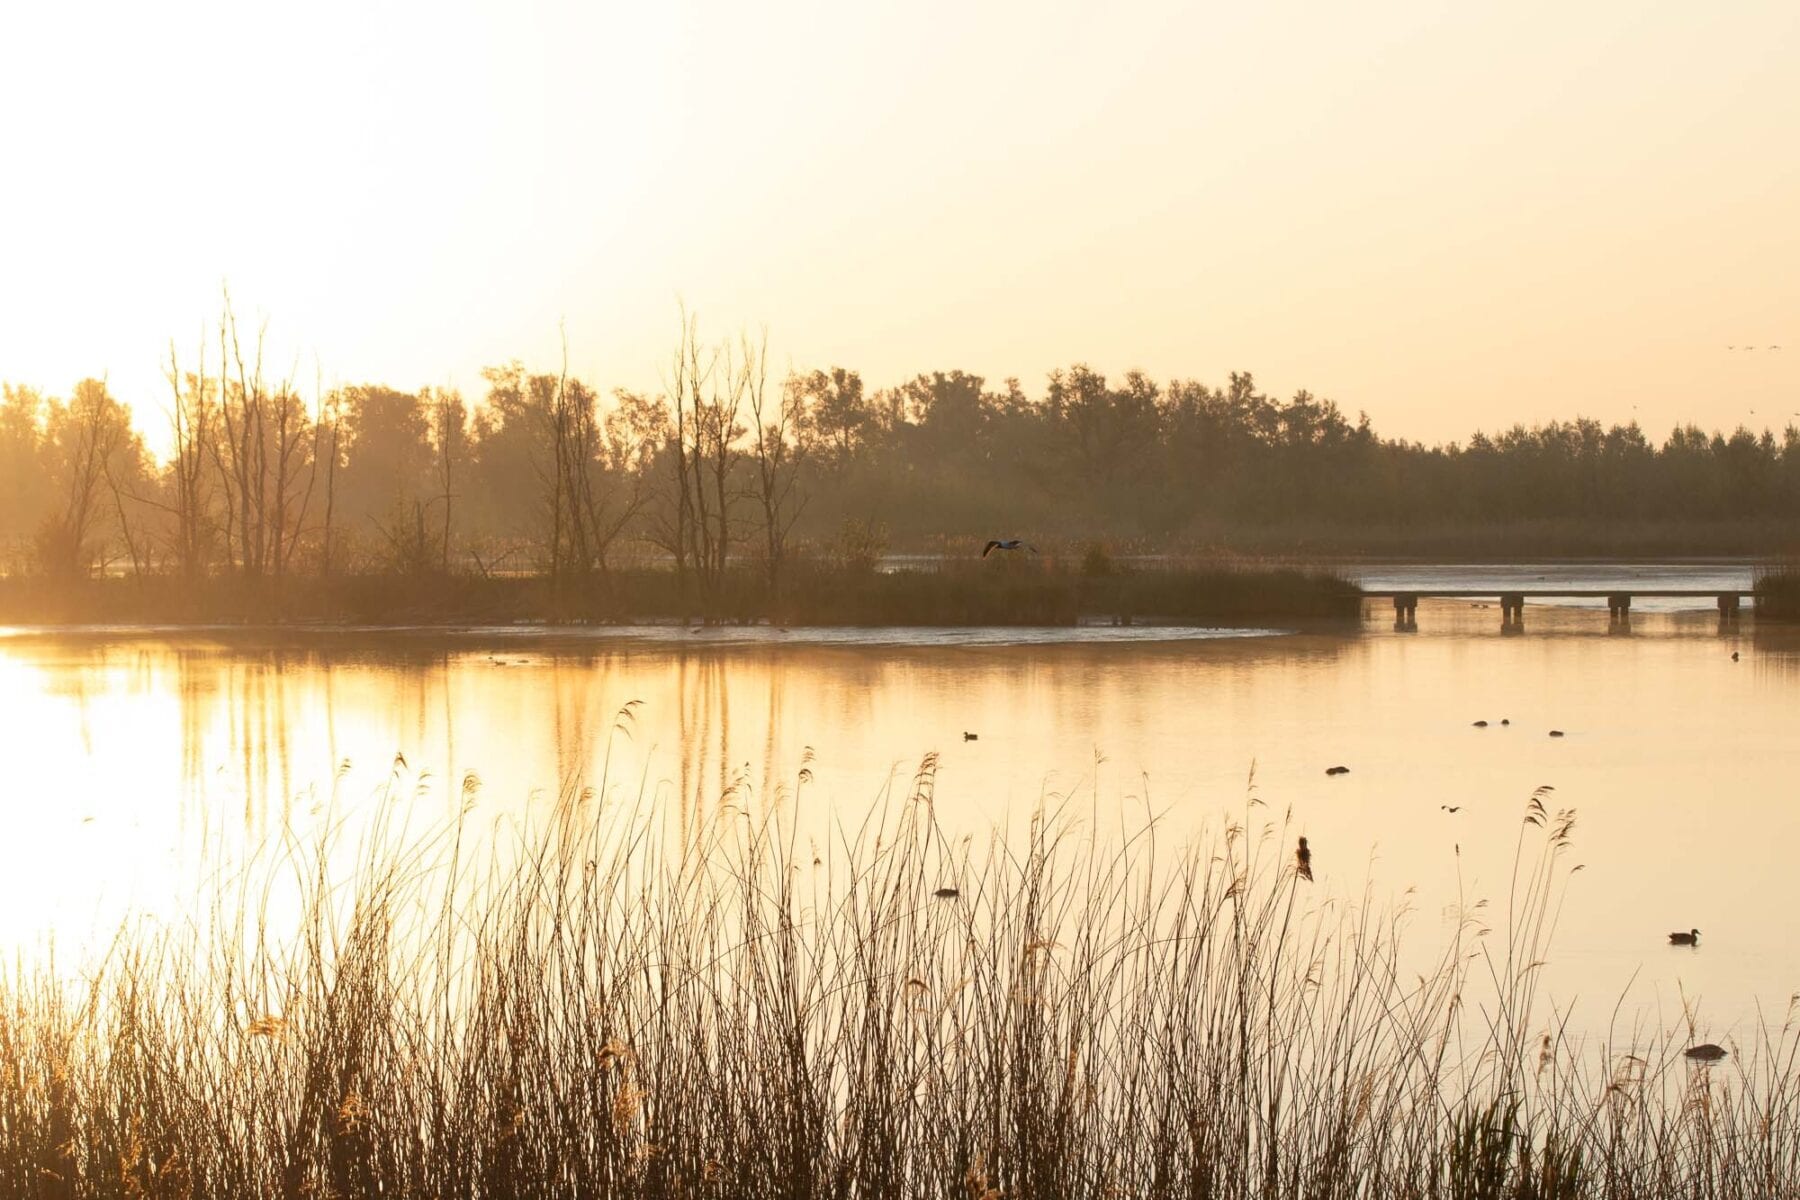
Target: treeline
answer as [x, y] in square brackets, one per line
[732, 469]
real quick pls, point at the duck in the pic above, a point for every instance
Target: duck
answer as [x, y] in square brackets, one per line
[1481, 724]
[1706, 1052]
[1690, 938]
[1337, 770]
[970, 737]
[947, 893]
[1556, 733]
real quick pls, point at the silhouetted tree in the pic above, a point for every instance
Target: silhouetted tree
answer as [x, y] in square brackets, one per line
[90, 450]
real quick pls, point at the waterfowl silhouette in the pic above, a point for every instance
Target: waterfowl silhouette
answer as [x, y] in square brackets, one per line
[946, 893]
[970, 737]
[1734, 656]
[1556, 733]
[1481, 724]
[1337, 770]
[1504, 721]
[1007, 544]
[1451, 807]
[1303, 861]
[1690, 938]
[1705, 1052]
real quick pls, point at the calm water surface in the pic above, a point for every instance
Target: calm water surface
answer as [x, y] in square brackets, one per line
[133, 762]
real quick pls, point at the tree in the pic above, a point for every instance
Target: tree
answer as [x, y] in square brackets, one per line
[192, 424]
[838, 414]
[449, 441]
[780, 450]
[91, 452]
[23, 488]
[262, 455]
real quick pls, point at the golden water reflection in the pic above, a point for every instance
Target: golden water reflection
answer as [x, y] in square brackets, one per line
[133, 764]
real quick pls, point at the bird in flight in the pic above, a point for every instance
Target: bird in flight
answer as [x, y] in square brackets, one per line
[1007, 544]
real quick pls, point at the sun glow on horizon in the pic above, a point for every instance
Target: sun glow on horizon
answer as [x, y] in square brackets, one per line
[1450, 219]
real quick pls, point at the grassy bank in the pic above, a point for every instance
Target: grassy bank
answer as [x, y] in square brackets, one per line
[1778, 592]
[1020, 592]
[595, 1010]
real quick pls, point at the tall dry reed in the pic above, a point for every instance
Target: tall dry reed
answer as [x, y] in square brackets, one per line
[596, 1007]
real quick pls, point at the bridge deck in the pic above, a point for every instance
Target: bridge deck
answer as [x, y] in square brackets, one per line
[1427, 593]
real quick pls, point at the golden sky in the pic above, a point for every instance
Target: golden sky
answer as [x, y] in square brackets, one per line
[1449, 215]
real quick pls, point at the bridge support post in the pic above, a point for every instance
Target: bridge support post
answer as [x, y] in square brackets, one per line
[1618, 610]
[1512, 612]
[1729, 607]
[1406, 614]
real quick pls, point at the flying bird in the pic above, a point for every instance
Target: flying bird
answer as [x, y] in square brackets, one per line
[1690, 938]
[1303, 861]
[1451, 807]
[1007, 544]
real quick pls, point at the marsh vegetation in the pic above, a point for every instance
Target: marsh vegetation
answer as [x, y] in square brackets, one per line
[601, 1005]
[959, 592]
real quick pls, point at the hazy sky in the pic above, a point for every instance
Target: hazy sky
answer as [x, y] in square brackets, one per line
[1450, 215]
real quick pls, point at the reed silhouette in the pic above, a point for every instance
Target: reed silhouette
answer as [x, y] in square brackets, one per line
[597, 1006]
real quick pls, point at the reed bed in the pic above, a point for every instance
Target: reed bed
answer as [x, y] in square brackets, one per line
[956, 593]
[1778, 591]
[607, 1006]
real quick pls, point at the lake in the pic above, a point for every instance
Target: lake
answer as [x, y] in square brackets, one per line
[139, 761]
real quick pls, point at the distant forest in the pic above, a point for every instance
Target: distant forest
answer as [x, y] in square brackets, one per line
[732, 468]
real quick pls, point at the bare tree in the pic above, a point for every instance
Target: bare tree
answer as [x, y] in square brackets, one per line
[326, 446]
[450, 440]
[692, 368]
[295, 472]
[191, 422]
[709, 396]
[263, 454]
[779, 448]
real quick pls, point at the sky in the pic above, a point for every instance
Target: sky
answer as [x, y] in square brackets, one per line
[1450, 216]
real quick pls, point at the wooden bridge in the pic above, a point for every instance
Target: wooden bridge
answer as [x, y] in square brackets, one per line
[1512, 601]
